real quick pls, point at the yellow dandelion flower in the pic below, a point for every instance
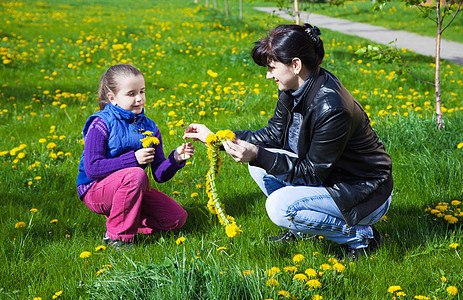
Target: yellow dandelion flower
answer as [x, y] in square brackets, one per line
[272, 282]
[311, 273]
[452, 220]
[20, 225]
[85, 254]
[325, 267]
[317, 297]
[314, 284]
[248, 272]
[298, 258]
[290, 269]
[394, 288]
[37, 298]
[34, 210]
[301, 277]
[57, 294]
[420, 297]
[443, 279]
[454, 245]
[100, 271]
[460, 145]
[212, 73]
[232, 230]
[284, 293]
[148, 141]
[100, 248]
[339, 267]
[221, 248]
[51, 145]
[401, 294]
[180, 240]
[54, 221]
[452, 290]
[455, 202]
[194, 195]
[272, 271]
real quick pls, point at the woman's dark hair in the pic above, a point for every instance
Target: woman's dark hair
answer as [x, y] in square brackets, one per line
[286, 42]
[109, 81]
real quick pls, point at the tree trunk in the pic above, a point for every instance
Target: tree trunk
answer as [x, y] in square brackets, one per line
[439, 117]
[226, 8]
[241, 10]
[215, 4]
[296, 12]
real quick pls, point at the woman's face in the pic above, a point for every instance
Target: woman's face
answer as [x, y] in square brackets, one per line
[131, 95]
[284, 75]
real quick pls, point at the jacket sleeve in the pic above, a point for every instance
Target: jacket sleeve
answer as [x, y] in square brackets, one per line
[331, 132]
[97, 166]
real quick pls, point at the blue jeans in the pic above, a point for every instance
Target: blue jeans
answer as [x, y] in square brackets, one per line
[311, 210]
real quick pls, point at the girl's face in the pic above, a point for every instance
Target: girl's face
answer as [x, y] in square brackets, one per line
[284, 75]
[131, 94]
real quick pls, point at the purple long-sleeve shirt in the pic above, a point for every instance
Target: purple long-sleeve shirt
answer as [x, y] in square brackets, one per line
[97, 166]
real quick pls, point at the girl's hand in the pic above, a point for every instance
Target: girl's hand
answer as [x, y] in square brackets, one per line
[197, 132]
[145, 155]
[240, 150]
[184, 152]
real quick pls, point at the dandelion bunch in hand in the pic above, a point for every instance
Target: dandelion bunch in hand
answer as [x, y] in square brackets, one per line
[147, 142]
[214, 141]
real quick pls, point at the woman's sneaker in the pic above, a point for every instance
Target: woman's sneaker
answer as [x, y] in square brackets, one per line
[289, 236]
[353, 254]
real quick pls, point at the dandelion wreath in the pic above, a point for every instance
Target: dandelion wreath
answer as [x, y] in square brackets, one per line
[214, 141]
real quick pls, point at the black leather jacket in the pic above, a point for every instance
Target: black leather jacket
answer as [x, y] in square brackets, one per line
[337, 148]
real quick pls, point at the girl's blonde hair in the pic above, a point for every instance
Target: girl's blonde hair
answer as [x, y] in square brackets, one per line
[109, 81]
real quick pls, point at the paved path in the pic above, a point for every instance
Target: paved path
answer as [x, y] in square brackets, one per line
[451, 51]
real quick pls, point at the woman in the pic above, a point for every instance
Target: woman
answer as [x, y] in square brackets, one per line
[320, 163]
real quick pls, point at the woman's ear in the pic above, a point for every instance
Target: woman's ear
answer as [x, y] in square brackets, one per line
[297, 65]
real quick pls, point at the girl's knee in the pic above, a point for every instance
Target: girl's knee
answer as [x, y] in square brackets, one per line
[174, 222]
[138, 177]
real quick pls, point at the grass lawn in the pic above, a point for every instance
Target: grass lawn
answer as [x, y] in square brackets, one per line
[394, 15]
[53, 54]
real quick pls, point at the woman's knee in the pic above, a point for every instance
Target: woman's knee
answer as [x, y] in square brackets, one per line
[277, 211]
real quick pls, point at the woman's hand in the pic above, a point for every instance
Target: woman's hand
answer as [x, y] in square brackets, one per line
[240, 150]
[145, 155]
[184, 152]
[197, 132]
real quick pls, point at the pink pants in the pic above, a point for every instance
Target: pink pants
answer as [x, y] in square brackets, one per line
[131, 207]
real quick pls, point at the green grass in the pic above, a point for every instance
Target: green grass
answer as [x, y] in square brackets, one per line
[53, 54]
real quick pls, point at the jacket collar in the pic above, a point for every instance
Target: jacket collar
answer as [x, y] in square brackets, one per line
[125, 115]
[288, 98]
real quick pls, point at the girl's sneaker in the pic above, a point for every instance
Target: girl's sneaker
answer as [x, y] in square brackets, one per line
[117, 244]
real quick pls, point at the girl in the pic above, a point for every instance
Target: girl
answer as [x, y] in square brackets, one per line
[112, 180]
[319, 162]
